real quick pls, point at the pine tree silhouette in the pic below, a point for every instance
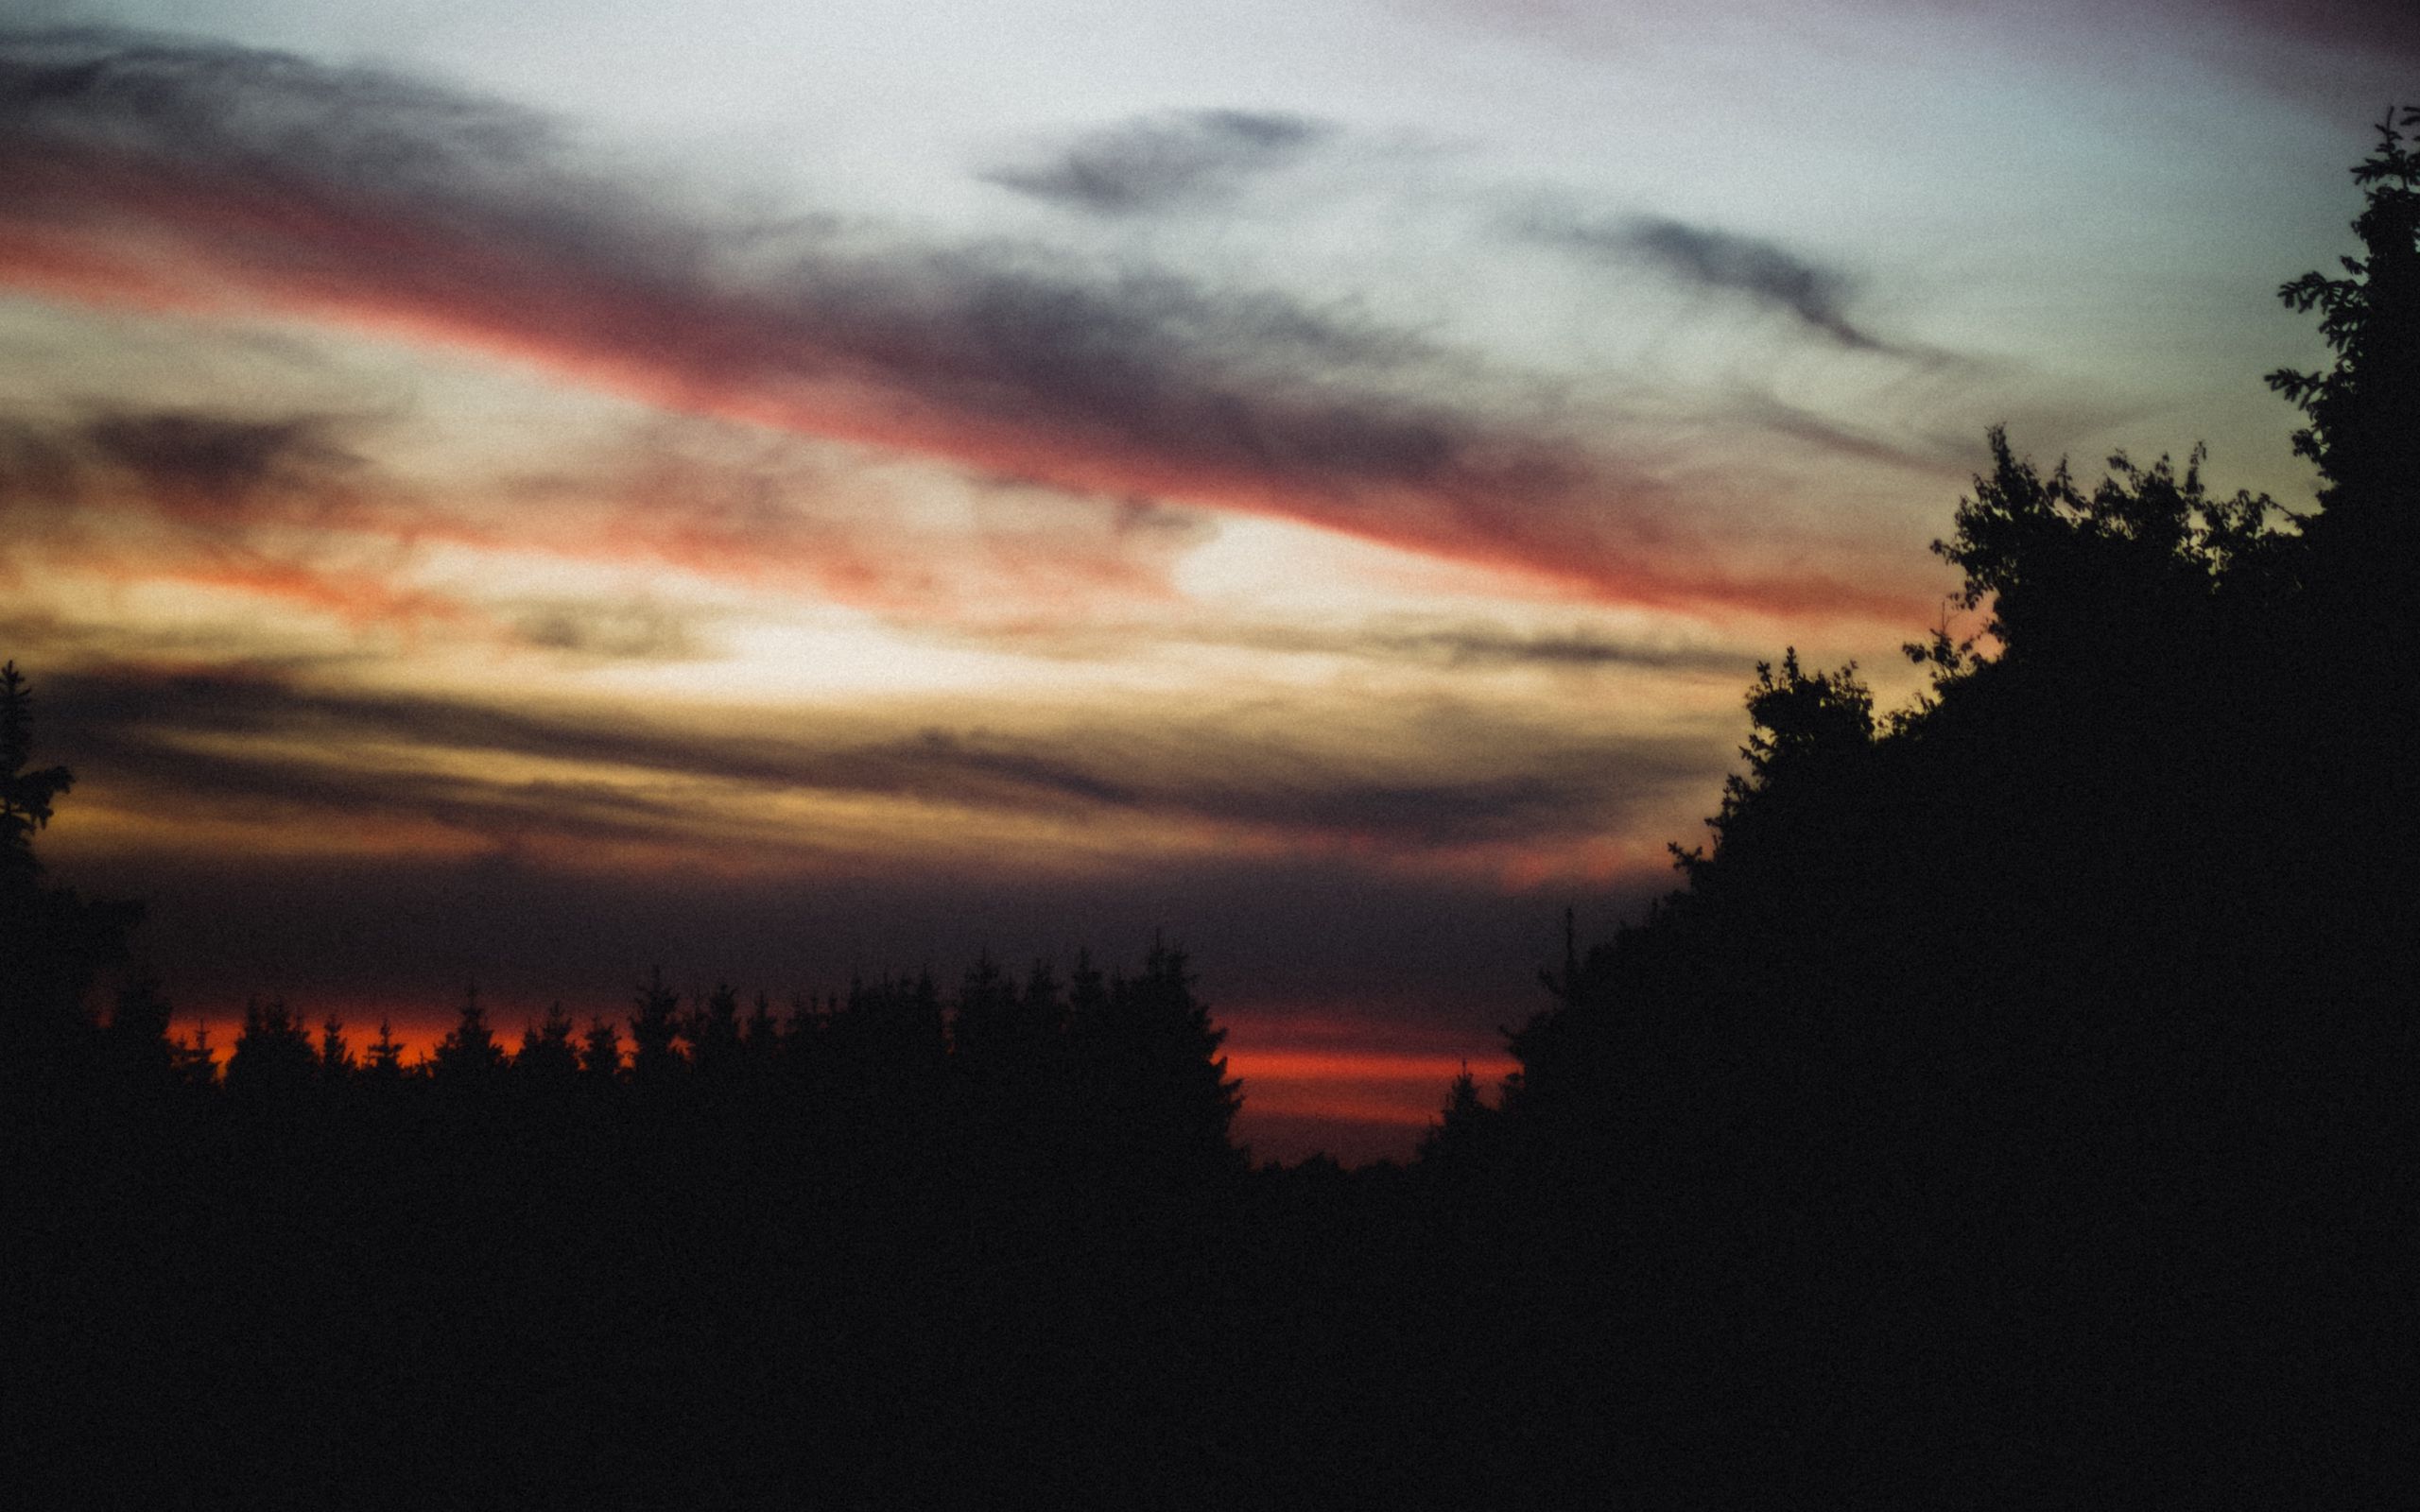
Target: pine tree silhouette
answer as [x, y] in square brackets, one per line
[469, 1057]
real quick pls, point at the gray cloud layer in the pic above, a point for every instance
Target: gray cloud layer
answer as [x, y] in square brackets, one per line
[1164, 162]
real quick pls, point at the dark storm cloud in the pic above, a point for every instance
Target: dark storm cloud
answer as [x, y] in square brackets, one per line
[181, 735]
[1749, 267]
[186, 175]
[1160, 162]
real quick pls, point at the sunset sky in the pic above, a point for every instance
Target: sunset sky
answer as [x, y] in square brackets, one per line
[526, 493]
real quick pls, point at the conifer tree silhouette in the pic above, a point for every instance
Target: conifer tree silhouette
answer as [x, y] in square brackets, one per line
[1167, 1103]
[54, 944]
[712, 1028]
[139, 1043]
[760, 1036]
[195, 1062]
[600, 1053]
[547, 1059]
[337, 1062]
[656, 1061]
[385, 1066]
[274, 1060]
[26, 793]
[469, 1056]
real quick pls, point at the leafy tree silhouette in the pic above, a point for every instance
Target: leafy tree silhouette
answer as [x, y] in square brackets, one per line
[2365, 410]
[1991, 1042]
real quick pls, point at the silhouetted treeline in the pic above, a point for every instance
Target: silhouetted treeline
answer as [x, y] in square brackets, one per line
[2018, 1102]
[2014, 1106]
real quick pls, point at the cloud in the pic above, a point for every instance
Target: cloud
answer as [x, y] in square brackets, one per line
[216, 470]
[273, 506]
[1748, 267]
[1161, 162]
[216, 466]
[616, 631]
[219, 739]
[1474, 644]
[1449, 643]
[206, 177]
[286, 506]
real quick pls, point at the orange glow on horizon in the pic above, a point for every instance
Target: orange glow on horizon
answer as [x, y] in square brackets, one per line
[1340, 1084]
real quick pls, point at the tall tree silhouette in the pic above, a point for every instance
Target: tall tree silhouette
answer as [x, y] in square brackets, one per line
[2364, 408]
[53, 943]
[600, 1053]
[385, 1066]
[547, 1060]
[656, 1061]
[1163, 1099]
[274, 1060]
[712, 1027]
[27, 792]
[337, 1061]
[139, 1044]
[469, 1056]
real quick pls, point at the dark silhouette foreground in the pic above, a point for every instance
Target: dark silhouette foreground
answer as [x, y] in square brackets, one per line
[2015, 1106]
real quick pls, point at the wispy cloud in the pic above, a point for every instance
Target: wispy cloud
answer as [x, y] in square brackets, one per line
[277, 507]
[213, 738]
[1451, 643]
[207, 178]
[291, 506]
[210, 467]
[1761, 272]
[1163, 162]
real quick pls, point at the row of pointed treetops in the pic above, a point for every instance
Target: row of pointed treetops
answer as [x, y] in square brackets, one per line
[1115, 1056]
[1093, 1030]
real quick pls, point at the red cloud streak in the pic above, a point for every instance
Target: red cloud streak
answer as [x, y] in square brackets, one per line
[103, 225]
